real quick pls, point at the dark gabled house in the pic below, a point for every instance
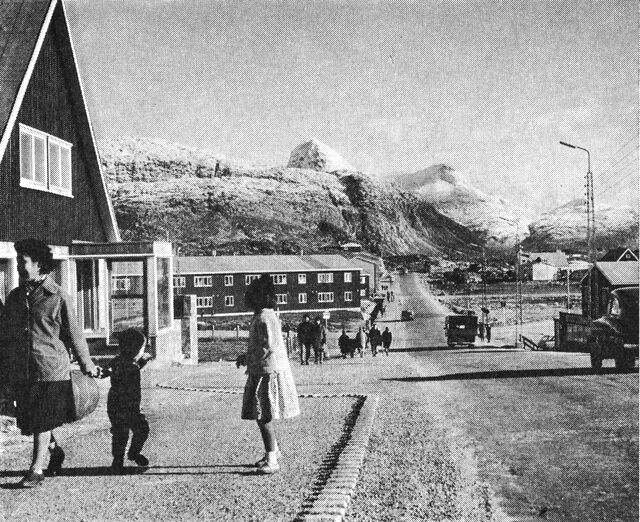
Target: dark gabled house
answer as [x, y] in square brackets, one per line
[620, 254]
[52, 187]
[607, 276]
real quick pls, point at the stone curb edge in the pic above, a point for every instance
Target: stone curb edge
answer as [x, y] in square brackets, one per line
[332, 501]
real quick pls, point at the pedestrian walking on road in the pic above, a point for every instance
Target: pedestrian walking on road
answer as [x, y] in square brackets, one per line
[344, 343]
[359, 346]
[270, 392]
[481, 331]
[305, 339]
[488, 332]
[374, 339]
[319, 340]
[37, 328]
[386, 340]
[123, 400]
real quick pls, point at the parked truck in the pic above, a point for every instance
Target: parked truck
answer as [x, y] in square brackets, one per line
[615, 334]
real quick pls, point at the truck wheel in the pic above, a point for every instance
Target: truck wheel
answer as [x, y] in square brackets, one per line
[596, 356]
[623, 361]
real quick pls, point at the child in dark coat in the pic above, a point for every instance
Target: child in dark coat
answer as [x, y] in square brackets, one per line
[123, 401]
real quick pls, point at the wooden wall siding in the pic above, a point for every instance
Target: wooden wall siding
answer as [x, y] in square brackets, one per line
[218, 291]
[48, 106]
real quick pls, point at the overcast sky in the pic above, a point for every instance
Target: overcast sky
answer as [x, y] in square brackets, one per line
[394, 86]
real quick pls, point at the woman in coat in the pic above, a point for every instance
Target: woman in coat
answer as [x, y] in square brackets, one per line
[37, 325]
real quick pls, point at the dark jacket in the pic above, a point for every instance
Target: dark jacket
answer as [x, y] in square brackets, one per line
[374, 336]
[386, 339]
[344, 343]
[36, 328]
[305, 332]
[124, 394]
[319, 335]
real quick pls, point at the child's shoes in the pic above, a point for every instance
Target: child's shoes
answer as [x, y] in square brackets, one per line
[139, 459]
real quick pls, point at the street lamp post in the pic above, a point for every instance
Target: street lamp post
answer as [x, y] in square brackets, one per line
[591, 221]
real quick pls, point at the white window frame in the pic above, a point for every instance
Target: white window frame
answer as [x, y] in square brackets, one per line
[228, 280]
[204, 302]
[348, 277]
[279, 279]
[325, 297]
[302, 279]
[325, 277]
[363, 292]
[179, 281]
[363, 280]
[117, 280]
[348, 296]
[202, 281]
[281, 299]
[229, 300]
[250, 277]
[27, 179]
[302, 298]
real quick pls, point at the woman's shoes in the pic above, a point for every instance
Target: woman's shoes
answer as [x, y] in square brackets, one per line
[55, 461]
[263, 461]
[31, 480]
[268, 469]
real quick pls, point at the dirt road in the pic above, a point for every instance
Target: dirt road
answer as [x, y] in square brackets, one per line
[552, 438]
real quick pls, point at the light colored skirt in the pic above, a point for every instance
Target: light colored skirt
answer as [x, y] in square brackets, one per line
[270, 396]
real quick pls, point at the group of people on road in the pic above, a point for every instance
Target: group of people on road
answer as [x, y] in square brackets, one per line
[377, 339]
[312, 335]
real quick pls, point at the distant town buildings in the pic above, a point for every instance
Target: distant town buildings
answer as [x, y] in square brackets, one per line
[543, 266]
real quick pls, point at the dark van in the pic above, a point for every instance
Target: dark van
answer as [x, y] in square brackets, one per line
[615, 334]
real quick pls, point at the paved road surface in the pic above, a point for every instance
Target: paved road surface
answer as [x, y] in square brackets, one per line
[554, 439]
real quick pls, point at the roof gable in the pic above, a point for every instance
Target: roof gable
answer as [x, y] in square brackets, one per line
[620, 254]
[620, 272]
[23, 28]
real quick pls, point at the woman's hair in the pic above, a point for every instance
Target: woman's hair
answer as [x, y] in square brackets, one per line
[261, 293]
[38, 251]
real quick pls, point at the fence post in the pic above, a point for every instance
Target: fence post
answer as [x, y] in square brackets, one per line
[189, 325]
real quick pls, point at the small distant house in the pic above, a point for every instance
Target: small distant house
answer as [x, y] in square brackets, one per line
[306, 283]
[53, 188]
[607, 276]
[543, 266]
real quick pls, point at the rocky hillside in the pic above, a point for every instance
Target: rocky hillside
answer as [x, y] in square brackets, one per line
[203, 201]
[566, 228]
[447, 190]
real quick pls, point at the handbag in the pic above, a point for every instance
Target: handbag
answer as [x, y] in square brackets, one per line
[86, 395]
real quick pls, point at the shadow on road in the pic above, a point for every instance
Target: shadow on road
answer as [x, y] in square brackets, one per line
[100, 471]
[495, 349]
[513, 374]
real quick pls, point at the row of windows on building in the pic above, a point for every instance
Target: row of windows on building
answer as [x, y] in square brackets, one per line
[281, 299]
[278, 279]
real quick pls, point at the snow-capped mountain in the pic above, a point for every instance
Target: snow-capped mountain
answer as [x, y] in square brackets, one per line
[493, 218]
[315, 155]
[565, 227]
[203, 201]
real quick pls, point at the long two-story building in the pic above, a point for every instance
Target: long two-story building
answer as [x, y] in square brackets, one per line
[305, 283]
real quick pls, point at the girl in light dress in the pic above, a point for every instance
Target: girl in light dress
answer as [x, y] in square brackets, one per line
[270, 392]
